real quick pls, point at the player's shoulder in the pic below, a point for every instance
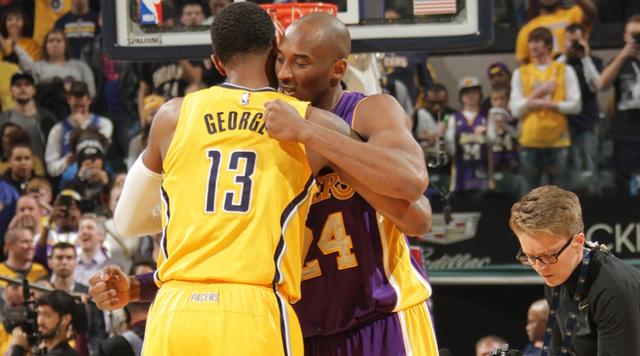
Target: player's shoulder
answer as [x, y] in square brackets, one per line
[376, 111]
[171, 106]
[167, 116]
[378, 102]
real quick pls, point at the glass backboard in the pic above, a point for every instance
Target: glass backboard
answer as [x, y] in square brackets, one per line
[154, 29]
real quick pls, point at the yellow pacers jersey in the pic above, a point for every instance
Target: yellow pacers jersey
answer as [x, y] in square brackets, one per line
[34, 273]
[556, 22]
[234, 200]
[544, 128]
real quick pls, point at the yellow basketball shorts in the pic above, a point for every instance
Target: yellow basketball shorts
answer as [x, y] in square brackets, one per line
[195, 319]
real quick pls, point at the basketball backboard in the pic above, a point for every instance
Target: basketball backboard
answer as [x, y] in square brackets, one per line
[142, 30]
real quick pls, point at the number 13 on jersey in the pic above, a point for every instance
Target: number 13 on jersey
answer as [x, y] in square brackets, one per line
[333, 239]
[234, 201]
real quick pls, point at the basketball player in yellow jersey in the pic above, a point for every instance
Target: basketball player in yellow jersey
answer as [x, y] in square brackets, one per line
[234, 206]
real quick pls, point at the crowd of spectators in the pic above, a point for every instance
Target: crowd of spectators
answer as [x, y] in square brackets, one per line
[540, 122]
[71, 122]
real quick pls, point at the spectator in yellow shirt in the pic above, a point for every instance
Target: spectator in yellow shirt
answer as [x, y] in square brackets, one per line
[7, 70]
[20, 249]
[12, 30]
[556, 18]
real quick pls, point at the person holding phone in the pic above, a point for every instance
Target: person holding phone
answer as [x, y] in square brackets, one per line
[623, 73]
[64, 219]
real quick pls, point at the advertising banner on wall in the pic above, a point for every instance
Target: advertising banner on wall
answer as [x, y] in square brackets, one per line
[477, 247]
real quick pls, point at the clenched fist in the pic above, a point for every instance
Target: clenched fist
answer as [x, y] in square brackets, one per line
[110, 288]
[283, 121]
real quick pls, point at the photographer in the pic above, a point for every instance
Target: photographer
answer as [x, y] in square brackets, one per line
[64, 219]
[594, 297]
[582, 126]
[55, 319]
[92, 178]
[623, 72]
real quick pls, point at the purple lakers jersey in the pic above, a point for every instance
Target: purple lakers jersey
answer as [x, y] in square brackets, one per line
[358, 267]
[470, 168]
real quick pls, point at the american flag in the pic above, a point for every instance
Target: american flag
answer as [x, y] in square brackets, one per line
[434, 7]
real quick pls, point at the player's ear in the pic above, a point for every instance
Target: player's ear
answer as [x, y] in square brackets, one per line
[218, 64]
[339, 70]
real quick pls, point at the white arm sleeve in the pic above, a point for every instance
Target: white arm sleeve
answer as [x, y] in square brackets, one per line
[138, 210]
[517, 101]
[572, 104]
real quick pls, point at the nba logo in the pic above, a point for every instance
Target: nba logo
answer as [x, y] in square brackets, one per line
[151, 12]
[244, 99]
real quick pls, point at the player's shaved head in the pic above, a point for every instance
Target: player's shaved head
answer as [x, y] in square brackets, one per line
[323, 30]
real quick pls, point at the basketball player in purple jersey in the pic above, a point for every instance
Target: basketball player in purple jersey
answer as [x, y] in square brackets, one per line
[377, 306]
[362, 294]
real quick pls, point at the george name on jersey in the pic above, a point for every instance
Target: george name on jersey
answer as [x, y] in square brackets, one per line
[330, 185]
[233, 120]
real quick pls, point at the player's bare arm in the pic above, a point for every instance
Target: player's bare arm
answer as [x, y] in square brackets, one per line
[160, 135]
[283, 122]
[136, 213]
[277, 129]
[412, 218]
[387, 143]
[379, 121]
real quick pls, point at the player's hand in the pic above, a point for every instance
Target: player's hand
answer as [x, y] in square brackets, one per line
[283, 121]
[109, 288]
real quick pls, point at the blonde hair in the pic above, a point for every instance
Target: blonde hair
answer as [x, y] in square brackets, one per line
[548, 210]
[634, 18]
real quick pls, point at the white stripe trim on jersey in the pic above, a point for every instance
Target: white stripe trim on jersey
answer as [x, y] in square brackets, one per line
[156, 277]
[405, 334]
[166, 226]
[385, 259]
[285, 318]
